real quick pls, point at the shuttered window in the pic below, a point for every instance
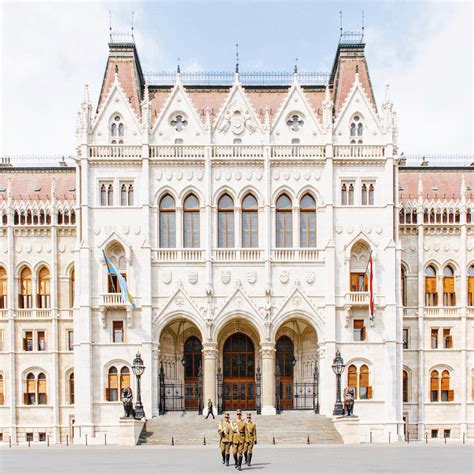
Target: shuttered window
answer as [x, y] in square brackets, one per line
[352, 378]
[111, 392]
[364, 392]
[447, 339]
[470, 289]
[359, 330]
[449, 295]
[42, 395]
[124, 378]
[359, 282]
[434, 385]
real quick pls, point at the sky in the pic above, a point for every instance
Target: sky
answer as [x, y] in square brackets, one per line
[49, 50]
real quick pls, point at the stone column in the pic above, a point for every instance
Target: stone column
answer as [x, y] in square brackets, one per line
[267, 351]
[209, 352]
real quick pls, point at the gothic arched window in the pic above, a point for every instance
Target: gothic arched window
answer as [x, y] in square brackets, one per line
[431, 292]
[307, 221]
[225, 211]
[249, 221]
[449, 293]
[167, 222]
[284, 222]
[191, 222]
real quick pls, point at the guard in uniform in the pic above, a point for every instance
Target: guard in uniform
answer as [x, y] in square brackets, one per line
[238, 439]
[250, 438]
[225, 434]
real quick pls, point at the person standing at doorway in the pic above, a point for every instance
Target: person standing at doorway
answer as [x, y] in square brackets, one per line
[210, 409]
[250, 438]
[238, 439]
[225, 438]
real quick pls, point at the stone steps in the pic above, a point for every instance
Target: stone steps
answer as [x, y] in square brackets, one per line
[291, 427]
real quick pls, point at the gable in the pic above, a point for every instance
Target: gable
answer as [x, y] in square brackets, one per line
[358, 109]
[296, 120]
[115, 106]
[178, 120]
[237, 120]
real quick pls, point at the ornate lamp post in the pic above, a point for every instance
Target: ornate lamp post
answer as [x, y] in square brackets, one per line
[138, 369]
[338, 368]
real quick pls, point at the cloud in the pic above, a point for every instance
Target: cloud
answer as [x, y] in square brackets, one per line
[430, 74]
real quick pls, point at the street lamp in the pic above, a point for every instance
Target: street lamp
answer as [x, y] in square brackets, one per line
[338, 368]
[138, 369]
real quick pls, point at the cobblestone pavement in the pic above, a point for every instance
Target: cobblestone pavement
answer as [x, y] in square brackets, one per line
[414, 458]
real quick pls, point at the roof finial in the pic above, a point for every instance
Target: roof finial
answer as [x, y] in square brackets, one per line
[295, 70]
[116, 70]
[363, 24]
[178, 69]
[133, 13]
[110, 24]
[357, 69]
[340, 22]
[237, 58]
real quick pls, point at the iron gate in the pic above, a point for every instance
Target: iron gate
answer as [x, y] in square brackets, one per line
[179, 396]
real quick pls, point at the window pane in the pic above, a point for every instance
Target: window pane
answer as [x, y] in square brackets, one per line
[167, 229]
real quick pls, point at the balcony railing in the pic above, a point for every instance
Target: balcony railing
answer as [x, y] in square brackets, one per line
[112, 300]
[176, 151]
[237, 255]
[179, 255]
[294, 255]
[298, 151]
[115, 151]
[357, 298]
[33, 313]
[235, 151]
[3, 313]
[358, 151]
[441, 311]
[238, 151]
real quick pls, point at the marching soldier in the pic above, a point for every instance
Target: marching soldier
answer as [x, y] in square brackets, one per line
[238, 439]
[250, 438]
[225, 433]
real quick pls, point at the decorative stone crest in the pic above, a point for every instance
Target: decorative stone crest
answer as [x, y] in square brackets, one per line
[310, 277]
[251, 277]
[225, 276]
[193, 277]
[237, 121]
[166, 277]
[285, 276]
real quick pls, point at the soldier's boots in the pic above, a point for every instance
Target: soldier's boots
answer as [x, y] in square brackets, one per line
[236, 461]
[245, 457]
[223, 458]
[249, 459]
[240, 464]
[227, 457]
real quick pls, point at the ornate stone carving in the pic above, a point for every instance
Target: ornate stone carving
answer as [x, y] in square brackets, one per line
[166, 277]
[237, 121]
[285, 276]
[251, 277]
[225, 276]
[193, 277]
[310, 277]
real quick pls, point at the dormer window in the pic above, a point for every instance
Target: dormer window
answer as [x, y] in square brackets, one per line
[179, 122]
[117, 130]
[295, 122]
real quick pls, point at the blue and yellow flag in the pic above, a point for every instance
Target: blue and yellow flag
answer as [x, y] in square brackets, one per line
[126, 296]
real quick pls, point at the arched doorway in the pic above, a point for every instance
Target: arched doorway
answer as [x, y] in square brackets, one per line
[285, 362]
[192, 361]
[239, 372]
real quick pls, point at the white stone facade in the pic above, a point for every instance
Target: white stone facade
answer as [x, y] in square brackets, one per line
[212, 290]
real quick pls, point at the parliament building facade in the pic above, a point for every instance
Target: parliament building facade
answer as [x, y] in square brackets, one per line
[242, 210]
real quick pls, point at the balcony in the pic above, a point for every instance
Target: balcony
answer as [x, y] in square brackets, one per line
[115, 151]
[358, 151]
[33, 313]
[237, 255]
[178, 255]
[357, 298]
[296, 255]
[112, 300]
[441, 311]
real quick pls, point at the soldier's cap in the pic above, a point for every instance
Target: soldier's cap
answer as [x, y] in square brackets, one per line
[249, 415]
[239, 412]
[226, 415]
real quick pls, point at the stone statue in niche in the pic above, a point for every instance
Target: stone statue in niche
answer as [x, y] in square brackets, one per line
[349, 397]
[127, 401]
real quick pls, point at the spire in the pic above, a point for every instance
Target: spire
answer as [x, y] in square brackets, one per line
[178, 73]
[295, 72]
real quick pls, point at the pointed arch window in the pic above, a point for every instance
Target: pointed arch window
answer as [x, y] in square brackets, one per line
[365, 390]
[123, 195]
[130, 195]
[449, 293]
[192, 355]
[191, 229]
[249, 221]
[3, 288]
[25, 297]
[364, 194]
[44, 288]
[167, 222]
[2, 391]
[403, 284]
[284, 222]
[225, 211]
[352, 378]
[470, 286]
[431, 292]
[42, 392]
[307, 221]
[103, 195]
[71, 287]
[405, 386]
[344, 194]
[440, 388]
[356, 127]
[124, 378]
[29, 397]
[71, 388]
[110, 195]
[117, 129]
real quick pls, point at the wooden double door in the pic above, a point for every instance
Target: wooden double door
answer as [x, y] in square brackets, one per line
[285, 360]
[239, 373]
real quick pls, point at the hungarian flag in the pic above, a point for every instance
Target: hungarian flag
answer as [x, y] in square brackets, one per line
[126, 296]
[370, 276]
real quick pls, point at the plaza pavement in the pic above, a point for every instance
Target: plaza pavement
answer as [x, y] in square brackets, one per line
[413, 458]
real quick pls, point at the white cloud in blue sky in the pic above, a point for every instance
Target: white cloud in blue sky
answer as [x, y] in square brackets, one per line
[49, 50]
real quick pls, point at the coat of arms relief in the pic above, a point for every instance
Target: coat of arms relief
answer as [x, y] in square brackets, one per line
[237, 120]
